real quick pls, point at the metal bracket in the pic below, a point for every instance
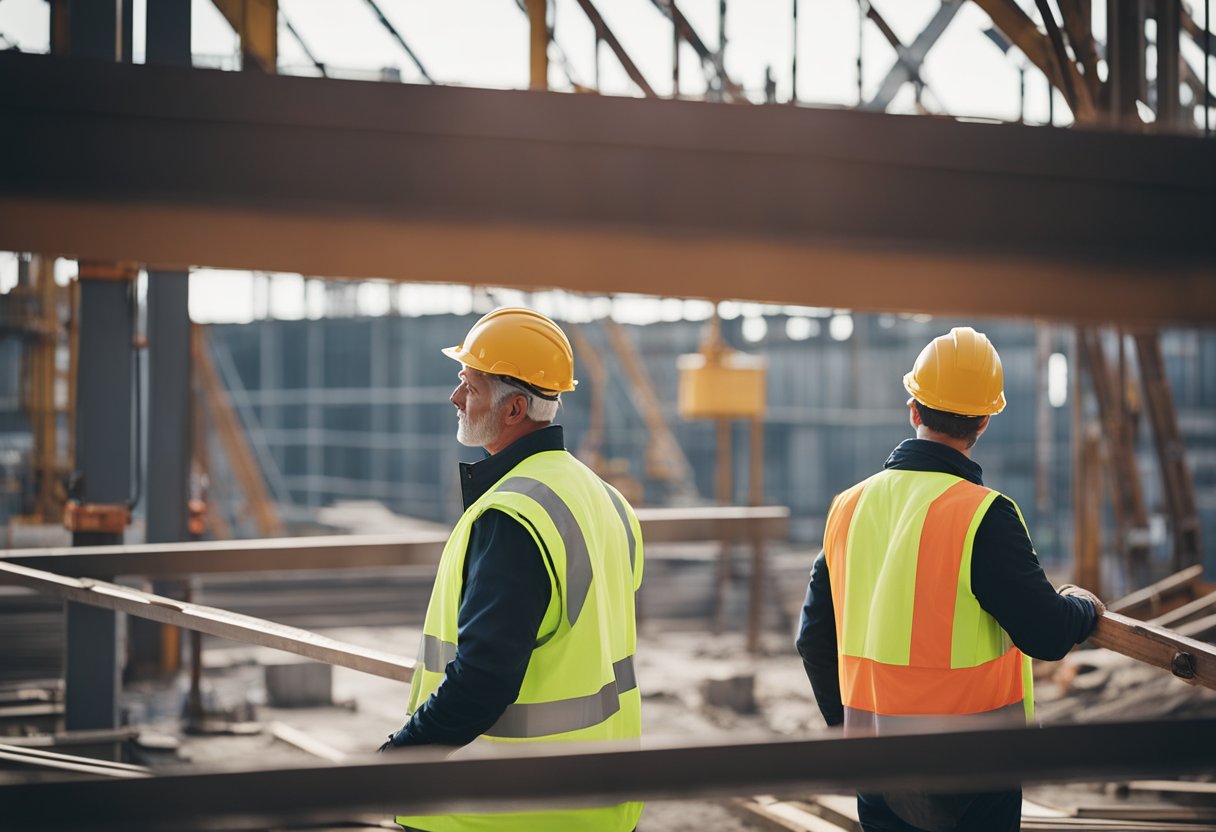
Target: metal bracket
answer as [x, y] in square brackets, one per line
[1183, 665]
[107, 518]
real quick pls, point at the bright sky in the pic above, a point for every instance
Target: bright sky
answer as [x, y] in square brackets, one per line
[485, 43]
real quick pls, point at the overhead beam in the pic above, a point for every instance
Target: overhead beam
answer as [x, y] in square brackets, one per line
[569, 773]
[659, 525]
[598, 194]
[210, 620]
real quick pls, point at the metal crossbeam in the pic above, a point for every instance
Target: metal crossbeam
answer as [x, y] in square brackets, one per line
[210, 620]
[601, 194]
[659, 525]
[569, 774]
[910, 58]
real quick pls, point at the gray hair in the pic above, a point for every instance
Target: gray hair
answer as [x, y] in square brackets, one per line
[539, 410]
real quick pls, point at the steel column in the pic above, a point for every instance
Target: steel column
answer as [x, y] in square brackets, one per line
[168, 28]
[1170, 115]
[155, 648]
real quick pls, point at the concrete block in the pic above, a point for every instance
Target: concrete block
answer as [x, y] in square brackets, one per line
[736, 693]
[299, 684]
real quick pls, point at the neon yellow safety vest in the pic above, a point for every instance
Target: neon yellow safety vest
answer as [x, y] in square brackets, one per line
[912, 639]
[580, 683]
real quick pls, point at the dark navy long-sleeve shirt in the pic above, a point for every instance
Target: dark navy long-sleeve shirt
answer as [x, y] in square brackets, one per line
[504, 595]
[1006, 579]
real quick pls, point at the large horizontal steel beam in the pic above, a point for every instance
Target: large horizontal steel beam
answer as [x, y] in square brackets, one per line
[659, 525]
[565, 773]
[176, 167]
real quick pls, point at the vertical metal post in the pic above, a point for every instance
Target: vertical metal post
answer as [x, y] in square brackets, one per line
[315, 350]
[794, 60]
[1043, 437]
[168, 32]
[103, 467]
[1078, 459]
[90, 29]
[722, 33]
[1169, 34]
[1022, 94]
[1124, 59]
[862, 5]
[1207, 66]
[675, 49]
[755, 606]
[724, 488]
[538, 28]
[155, 649]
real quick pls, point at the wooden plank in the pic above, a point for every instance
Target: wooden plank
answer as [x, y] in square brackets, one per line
[1174, 617]
[1198, 629]
[1172, 787]
[305, 742]
[213, 621]
[63, 762]
[38, 754]
[1184, 657]
[1151, 599]
[788, 815]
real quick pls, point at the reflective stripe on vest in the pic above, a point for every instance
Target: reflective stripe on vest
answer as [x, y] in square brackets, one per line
[539, 719]
[912, 639]
[578, 559]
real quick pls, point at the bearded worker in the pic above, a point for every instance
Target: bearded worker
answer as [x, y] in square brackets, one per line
[928, 598]
[530, 632]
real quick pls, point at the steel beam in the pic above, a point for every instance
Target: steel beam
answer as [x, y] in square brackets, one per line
[825, 208]
[244, 628]
[659, 525]
[571, 774]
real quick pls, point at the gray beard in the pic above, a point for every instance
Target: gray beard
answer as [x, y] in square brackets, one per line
[475, 434]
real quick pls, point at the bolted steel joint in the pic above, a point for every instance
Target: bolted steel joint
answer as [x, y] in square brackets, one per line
[1183, 665]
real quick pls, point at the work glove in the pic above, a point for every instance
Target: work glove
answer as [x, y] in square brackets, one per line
[1071, 590]
[389, 744]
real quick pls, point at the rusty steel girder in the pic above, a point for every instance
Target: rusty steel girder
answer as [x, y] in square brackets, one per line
[180, 167]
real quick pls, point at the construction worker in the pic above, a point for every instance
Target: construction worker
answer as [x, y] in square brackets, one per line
[928, 598]
[530, 632]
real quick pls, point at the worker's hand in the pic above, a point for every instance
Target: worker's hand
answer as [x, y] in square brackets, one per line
[1077, 592]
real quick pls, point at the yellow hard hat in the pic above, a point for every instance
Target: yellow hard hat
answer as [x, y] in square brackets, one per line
[959, 373]
[521, 344]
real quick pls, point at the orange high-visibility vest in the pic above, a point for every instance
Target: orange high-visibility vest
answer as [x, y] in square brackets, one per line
[912, 640]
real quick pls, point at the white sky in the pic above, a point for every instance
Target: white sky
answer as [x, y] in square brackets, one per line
[485, 43]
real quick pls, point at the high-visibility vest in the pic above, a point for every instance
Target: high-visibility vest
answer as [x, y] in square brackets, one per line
[912, 640]
[580, 682]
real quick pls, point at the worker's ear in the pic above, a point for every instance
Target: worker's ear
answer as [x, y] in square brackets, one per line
[913, 414]
[983, 427]
[518, 410]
